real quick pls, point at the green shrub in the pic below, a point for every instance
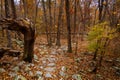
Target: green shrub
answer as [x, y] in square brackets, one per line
[98, 34]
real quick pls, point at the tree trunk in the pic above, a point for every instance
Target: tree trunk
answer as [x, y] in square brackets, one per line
[25, 8]
[75, 11]
[13, 9]
[1, 15]
[7, 13]
[67, 4]
[54, 36]
[95, 54]
[82, 20]
[45, 20]
[54, 12]
[14, 16]
[59, 23]
[100, 6]
[36, 12]
[29, 39]
[50, 24]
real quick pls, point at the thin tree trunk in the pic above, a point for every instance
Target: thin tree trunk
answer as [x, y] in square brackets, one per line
[36, 11]
[7, 13]
[45, 20]
[13, 9]
[50, 24]
[75, 36]
[75, 11]
[95, 16]
[100, 5]
[67, 5]
[114, 16]
[77, 39]
[82, 19]
[14, 16]
[95, 53]
[1, 15]
[54, 38]
[25, 8]
[54, 12]
[59, 23]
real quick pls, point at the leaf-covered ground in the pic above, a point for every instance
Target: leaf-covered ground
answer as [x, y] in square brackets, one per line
[54, 63]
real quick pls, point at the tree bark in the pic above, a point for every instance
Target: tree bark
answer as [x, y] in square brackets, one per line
[54, 37]
[75, 11]
[13, 9]
[100, 6]
[59, 23]
[14, 16]
[29, 39]
[67, 4]
[7, 13]
[1, 15]
[25, 8]
[50, 23]
[45, 20]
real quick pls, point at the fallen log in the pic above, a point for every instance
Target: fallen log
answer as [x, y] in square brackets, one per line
[8, 51]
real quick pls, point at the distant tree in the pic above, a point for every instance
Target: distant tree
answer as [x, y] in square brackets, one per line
[50, 23]
[75, 36]
[13, 9]
[1, 15]
[75, 11]
[7, 14]
[59, 23]
[45, 20]
[25, 8]
[100, 6]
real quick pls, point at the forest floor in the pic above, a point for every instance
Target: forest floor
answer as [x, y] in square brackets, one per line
[54, 63]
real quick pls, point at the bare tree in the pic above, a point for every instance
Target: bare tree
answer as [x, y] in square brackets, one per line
[59, 23]
[75, 10]
[45, 20]
[1, 15]
[13, 9]
[7, 14]
[100, 6]
[67, 5]
[75, 36]
[50, 23]
[14, 16]
[25, 8]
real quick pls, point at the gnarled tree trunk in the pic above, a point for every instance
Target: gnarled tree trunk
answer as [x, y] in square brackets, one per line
[26, 29]
[29, 39]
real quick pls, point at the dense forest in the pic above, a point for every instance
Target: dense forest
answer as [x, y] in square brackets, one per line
[59, 39]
